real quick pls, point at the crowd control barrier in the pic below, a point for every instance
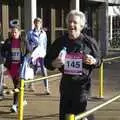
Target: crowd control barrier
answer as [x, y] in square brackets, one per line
[85, 114]
[101, 94]
[101, 75]
[69, 117]
[21, 93]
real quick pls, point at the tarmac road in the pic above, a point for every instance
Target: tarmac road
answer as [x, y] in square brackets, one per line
[46, 107]
[39, 106]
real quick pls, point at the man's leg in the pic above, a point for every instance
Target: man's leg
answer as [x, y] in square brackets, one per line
[16, 83]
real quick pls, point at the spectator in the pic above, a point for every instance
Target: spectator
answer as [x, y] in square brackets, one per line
[37, 46]
[1, 34]
[82, 55]
[13, 51]
[1, 65]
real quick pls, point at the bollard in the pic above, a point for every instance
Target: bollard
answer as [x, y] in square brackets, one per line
[70, 117]
[21, 100]
[101, 81]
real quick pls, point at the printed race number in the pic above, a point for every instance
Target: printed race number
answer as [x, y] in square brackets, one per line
[73, 64]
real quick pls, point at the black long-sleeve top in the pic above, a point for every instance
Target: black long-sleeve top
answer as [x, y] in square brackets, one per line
[84, 43]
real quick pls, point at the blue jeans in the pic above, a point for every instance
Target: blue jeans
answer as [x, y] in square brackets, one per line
[40, 63]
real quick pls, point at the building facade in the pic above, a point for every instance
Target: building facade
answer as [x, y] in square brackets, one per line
[53, 14]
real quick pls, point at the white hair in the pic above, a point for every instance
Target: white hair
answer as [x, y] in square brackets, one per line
[79, 14]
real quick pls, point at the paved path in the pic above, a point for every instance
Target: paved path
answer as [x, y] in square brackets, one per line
[42, 107]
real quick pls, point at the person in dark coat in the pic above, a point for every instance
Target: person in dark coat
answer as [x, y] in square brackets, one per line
[1, 65]
[81, 55]
[13, 51]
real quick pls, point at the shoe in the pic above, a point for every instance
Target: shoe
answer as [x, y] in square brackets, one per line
[47, 92]
[14, 108]
[24, 103]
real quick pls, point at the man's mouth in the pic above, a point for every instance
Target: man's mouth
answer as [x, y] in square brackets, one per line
[71, 29]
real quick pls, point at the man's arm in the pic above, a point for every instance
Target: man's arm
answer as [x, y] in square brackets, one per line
[52, 54]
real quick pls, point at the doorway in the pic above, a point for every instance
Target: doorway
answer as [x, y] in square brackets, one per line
[53, 14]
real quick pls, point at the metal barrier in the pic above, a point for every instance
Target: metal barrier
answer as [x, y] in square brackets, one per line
[69, 117]
[101, 76]
[78, 117]
[21, 93]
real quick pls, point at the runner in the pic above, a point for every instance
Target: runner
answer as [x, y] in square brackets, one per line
[1, 66]
[13, 51]
[80, 54]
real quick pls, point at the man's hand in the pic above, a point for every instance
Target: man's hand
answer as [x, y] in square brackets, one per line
[57, 63]
[90, 60]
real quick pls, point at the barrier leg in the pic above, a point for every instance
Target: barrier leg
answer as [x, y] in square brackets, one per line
[101, 81]
[70, 117]
[21, 100]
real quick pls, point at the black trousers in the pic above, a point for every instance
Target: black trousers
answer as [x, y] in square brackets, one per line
[73, 97]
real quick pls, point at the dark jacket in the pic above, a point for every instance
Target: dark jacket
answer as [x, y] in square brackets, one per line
[84, 43]
[7, 53]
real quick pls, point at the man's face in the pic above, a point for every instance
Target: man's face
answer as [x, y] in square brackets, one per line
[74, 27]
[38, 24]
[15, 33]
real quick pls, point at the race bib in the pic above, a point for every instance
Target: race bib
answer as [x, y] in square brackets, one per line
[73, 64]
[15, 54]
